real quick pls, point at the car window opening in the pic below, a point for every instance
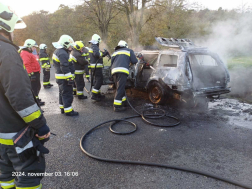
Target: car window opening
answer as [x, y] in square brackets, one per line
[168, 60]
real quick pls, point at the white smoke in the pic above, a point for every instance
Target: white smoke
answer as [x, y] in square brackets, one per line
[231, 37]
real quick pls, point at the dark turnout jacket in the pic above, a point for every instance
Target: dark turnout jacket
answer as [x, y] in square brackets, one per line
[95, 56]
[44, 59]
[79, 61]
[121, 59]
[62, 63]
[18, 107]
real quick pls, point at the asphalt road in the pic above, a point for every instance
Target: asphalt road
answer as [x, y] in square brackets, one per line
[206, 141]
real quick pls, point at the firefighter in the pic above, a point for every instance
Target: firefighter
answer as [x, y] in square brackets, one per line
[18, 109]
[63, 75]
[96, 64]
[32, 66]
[121, 59]
[45, 64]
[79, 62]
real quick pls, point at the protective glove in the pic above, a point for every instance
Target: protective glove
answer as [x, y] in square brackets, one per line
[70, 81]
[38, 144]
[105, 53]
[32, 76]
[26, 145]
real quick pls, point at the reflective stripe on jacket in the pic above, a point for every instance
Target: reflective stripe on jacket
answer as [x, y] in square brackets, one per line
[44, 59]
[95, 56]
[18, 107]
[62, 64]
[121, 59]
[79, 61]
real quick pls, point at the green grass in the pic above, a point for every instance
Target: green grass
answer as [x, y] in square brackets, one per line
[240, 62]
[106, 62]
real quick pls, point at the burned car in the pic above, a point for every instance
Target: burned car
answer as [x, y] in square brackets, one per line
[181, 70]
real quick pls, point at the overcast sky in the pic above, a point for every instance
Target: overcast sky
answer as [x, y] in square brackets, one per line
[25, 7]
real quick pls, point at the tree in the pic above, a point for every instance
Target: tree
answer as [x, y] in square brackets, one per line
[101, 13]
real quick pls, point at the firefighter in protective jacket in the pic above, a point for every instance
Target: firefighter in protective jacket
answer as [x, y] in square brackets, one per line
[121, 59]
[32, 66]
[64, 74]
[18, 109]
[96, 64]
[79, 62]
[45, 64]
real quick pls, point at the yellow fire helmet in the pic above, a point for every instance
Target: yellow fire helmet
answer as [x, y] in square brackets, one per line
[78, 45]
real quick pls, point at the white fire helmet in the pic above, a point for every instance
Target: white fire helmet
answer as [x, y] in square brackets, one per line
[42, 46]
[122, 44]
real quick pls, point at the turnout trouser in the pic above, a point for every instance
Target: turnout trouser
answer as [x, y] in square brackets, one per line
[120, 80]
[65, 95]
[87, 71]
[15, 173]
[80, 84]
[46, 77]
[98, 78]
[35, 84]
[74, 88]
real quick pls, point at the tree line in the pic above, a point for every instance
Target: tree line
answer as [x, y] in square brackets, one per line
[134, 21]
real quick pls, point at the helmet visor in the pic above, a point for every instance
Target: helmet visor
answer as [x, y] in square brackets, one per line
[20, 24]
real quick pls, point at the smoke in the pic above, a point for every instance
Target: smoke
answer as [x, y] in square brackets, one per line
[233, 38]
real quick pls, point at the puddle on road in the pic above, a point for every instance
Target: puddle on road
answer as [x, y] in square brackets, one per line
[237, 113]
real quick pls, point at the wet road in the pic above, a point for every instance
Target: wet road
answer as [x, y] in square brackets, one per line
[209, 141]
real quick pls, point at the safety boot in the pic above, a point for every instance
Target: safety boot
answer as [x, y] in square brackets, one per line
[72, 113]
[82, 97]
[50, 85]
[102, 96]
[74, 92]
[119, 109]
[96, 98]
[47, 86]
[62, 111]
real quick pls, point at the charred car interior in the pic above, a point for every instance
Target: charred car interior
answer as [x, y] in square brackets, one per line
[180, 70]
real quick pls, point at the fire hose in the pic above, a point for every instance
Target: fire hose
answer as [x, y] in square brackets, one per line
[145, 116]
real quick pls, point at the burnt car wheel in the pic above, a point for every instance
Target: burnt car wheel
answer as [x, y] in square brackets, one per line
[156, 93]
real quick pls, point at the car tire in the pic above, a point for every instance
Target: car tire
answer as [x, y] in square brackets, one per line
[156, 93]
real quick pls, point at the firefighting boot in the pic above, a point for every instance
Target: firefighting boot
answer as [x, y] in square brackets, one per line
[102, 96]
[82, 97]
[50, 85]
[96, 98]
[74, 92]
[47, 86]
[62, 111]
[72, 113]
[119, 108]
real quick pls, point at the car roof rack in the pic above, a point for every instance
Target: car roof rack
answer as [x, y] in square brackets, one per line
[175, 43]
